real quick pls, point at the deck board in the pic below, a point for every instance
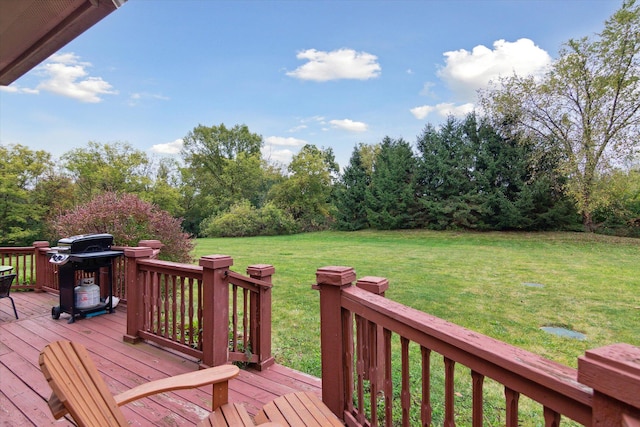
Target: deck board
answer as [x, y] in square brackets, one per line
[122, 365]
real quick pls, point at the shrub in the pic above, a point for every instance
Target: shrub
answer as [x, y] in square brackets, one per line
[245, 220]
[129, 220]
[275, 221]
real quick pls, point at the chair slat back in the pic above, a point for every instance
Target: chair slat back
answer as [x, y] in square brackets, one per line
[5, 284]
[77, 383]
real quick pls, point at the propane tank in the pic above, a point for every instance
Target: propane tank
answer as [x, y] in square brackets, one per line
[87, 293]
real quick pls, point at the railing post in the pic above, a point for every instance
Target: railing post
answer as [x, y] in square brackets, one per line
[330, 281]
[156, 245]
[613, 372]
[374, 359]
[215, 309]
[260, 315]
[42, 264]
[134, 291]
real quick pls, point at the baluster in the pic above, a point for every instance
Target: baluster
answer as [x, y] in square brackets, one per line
[234, 317]
[388, 383]
[512, 407]
[158, 303]
[477, 386]
[373, 371]
[245, 321]
[449, 372]
[147, 301]
[174, 307]
[183, 305]
[405, 394]
[348, 362]
[167, 291]
[551, 418]
[191, 313]
[426, 412]
[200, 313]
[360, 350]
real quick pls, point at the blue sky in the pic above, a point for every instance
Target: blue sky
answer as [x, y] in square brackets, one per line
[330, 73]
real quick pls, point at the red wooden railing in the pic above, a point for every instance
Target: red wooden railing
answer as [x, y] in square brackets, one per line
[187, 308]
[23, 261]
[386, 375]
[173, 304]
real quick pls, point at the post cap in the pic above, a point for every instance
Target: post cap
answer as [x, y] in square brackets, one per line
[216, 261]
[137, 252]
[373, 284]
[613, 370]
[335, 275]
[154, 244]
[261, 270]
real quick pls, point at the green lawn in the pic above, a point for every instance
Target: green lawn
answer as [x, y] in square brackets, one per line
[591, 284]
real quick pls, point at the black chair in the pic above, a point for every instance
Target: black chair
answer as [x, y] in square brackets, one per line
[5, 286]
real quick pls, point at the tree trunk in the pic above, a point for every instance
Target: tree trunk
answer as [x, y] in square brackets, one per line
[587, 222]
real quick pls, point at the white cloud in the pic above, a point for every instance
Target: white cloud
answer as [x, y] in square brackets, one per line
[422, 112]
[137, 98]
[349, 125]
[168, 148]
[297, 128]
[280, 155]
[66, 75]
[285, 142]
[444, 110]
[465, 72]
[427, 89]
[336, 65]
[18, 89]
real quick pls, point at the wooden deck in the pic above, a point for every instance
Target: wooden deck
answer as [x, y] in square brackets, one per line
[23, 389]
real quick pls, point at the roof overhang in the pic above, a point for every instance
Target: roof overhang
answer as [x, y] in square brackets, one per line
[33, 30]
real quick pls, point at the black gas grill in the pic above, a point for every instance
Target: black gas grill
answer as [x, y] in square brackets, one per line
[87, 253]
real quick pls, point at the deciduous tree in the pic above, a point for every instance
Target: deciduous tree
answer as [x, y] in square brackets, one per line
[99, 168]
[587, 104]
[306, 192]
[22, 214]
[224, 167]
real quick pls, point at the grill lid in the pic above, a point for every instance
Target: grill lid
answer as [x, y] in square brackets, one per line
[86, 243]
[83, 248]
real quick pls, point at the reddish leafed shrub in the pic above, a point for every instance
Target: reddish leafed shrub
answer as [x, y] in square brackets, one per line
[129, 220]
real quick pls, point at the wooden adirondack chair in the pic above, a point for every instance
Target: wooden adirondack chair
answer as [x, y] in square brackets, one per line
[79, 390]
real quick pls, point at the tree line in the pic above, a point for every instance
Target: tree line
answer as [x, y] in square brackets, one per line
[551, 152]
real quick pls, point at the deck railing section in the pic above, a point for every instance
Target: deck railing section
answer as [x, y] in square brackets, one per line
[250, 333]
[206, 311]
[23, 261]
[387, 374]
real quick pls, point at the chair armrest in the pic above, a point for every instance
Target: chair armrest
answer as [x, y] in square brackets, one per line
[194, 379]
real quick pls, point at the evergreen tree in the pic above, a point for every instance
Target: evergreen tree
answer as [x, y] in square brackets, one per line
[351, 210]
[473, 176]
[391, 197]
[445, 177]
[500, 173]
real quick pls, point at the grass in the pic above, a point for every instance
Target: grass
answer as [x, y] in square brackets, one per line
[477, 280]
